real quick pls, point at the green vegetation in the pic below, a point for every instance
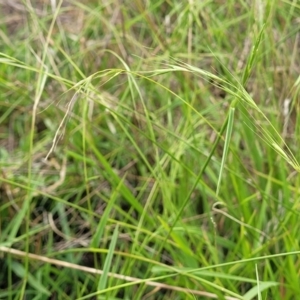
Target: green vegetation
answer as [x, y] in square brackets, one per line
[149, 149]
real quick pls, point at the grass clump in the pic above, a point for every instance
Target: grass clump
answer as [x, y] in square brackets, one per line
[149, 150]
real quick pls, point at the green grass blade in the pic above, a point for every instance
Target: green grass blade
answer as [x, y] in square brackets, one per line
[95, 241]
[21, 272]
[226, 146]
[107, 264]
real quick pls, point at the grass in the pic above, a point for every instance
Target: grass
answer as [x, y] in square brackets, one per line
[149, 150]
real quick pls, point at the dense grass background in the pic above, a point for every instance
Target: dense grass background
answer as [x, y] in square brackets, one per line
[149, 149]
